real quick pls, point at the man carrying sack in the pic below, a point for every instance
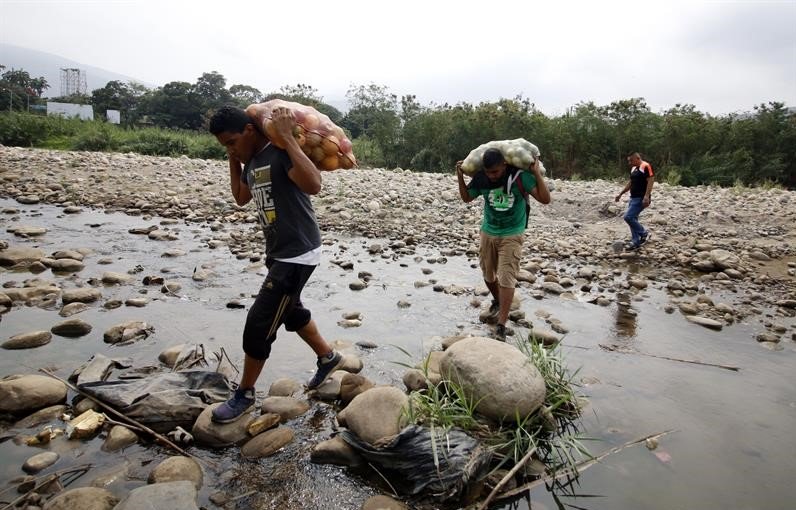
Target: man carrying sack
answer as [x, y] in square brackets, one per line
[505, 190]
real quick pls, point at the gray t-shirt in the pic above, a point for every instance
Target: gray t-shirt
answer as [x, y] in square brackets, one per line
[285, 212]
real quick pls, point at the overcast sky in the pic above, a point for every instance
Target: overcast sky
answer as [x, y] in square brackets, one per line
[722, 56]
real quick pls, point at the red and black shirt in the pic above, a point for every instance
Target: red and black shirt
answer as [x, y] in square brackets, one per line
[638, 179]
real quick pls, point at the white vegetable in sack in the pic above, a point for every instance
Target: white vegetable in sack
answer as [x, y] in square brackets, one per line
[518, 152]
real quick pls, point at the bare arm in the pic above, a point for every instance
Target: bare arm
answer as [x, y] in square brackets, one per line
[239, 190]
[462, 186]
[540, 191]
[624, 190]
[648, 193]
[303, 173]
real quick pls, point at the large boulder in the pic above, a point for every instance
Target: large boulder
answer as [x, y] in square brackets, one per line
[28, 340]
[175, 495]
[72, 328]
[415, 380]
[267, 443]
[286, 407]
[329, 390]
[175, 469]
[72, 309]
[724, 259]
[284, 387]
[127, 331]
[22, 255]
[335, 451]
[41, 416]
[352, 385]
[169, 355]
[118, 438]
[217, 435]
[26, 294]
[375, 413]
[40, 461]
[29, 231]
[497, 375]
[545, 337]
[20, 394]
[66, 265]
[111, 278]
[80, 295]
[68, 254]
[83, 498]
[383, 503]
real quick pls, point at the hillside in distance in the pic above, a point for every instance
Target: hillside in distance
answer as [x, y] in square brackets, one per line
[40, 63]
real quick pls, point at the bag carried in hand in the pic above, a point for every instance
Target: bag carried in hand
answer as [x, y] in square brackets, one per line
[325, 143]
[518, 153]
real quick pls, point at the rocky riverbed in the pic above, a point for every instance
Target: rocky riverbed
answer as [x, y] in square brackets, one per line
[125, 255]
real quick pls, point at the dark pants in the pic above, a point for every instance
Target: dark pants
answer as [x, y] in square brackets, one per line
[279, 302]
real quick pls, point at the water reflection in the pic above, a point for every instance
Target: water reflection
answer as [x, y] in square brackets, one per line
[624, 317]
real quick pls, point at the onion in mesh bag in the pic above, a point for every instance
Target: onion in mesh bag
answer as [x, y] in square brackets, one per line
[518, 152]
[324, 142]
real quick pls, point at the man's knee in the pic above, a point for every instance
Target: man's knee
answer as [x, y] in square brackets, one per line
[256, 344]
[297, 319]
[507, 280]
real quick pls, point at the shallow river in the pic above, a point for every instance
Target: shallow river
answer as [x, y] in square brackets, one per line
[734, 441]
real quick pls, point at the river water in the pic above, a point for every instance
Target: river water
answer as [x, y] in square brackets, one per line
[732, 444]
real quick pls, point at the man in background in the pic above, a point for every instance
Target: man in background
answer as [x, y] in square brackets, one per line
[640, 186]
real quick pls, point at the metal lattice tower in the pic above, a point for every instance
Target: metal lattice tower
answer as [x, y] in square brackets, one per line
[73, 81]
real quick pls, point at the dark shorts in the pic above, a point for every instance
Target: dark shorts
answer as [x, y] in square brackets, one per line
[279, 302]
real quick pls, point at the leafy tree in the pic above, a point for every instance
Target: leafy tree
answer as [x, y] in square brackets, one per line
[301, 90]
[22, 80]
[410, 108]
[774, 143]
[588, 140]
[244, 95]
[374, 114]
[581, 142]
[174, 105]
[634, 128]
[117, 95]
[685, 132]
[18, 88]
[210, 90]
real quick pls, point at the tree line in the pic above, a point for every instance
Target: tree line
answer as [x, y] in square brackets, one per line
[684, 145]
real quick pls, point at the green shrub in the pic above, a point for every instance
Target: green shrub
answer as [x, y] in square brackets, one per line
[769, 184]
[427, 161]
[53, 132]
[155, 142]
[27, 130]
[720, 169]
[205, 147]
[367, 152]
[672, 175]
[95, 136]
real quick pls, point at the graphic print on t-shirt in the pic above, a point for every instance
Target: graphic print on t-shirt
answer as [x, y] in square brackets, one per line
[500, 200]
[262, 193]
